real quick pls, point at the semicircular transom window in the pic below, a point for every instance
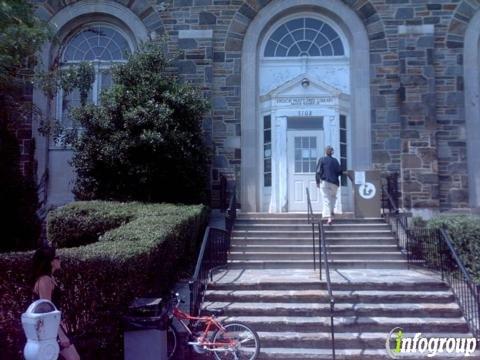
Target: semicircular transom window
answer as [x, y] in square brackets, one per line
[304, 37]
[96, 43]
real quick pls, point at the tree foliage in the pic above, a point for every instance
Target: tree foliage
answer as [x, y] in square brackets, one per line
[21, 36]
[144, 140]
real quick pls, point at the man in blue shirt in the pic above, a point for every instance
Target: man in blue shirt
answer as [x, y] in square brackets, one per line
[327, 173]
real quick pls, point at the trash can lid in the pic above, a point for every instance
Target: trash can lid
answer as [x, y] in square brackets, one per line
[146, 307]
[41, 306]
[145, 302]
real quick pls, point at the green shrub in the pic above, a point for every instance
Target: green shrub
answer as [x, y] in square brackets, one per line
[82, 223]
[418, 222]
[144, 141]
[465, 233]
[143, 255]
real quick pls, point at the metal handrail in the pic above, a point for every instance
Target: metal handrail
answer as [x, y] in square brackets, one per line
[329, 283]
[213, 254]
[468, 297]
[231, 214]
[433, 248]
[322, 249]
[310, 216]
[391, 202]
[310, 220]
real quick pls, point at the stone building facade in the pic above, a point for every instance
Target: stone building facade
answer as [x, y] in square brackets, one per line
[391, 84]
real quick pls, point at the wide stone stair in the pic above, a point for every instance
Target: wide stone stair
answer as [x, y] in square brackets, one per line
[270, 285]
[266, 241]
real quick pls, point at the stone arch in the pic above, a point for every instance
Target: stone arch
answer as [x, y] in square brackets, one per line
[64, 20]
[356, 32]
[457, 27]
[471, 69]
[248, 11]
[142, 10]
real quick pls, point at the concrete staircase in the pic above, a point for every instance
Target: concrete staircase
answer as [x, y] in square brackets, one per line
[264, 241]
[270, 285]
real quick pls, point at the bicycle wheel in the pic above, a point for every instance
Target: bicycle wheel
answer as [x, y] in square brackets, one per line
[171, 342]
[241, 342]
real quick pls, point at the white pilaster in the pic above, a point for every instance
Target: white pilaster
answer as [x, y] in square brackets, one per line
[278, 201]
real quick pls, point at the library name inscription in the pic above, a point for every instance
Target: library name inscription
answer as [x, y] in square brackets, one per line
[305, 100]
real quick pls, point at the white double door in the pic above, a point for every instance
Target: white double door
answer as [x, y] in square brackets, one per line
[304, 148]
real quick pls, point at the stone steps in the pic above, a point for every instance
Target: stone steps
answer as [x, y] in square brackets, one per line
[351, 323]
[356, 241]
[359, 340]
[283, 283]
[308, 264]
[308, 233]
[412, 309]
[321, 296]
[298, 215]
[303, 220]
[281, 243]
[341, 354]
[307, 248]
[275, 255]
[308, 227]
[269, 284]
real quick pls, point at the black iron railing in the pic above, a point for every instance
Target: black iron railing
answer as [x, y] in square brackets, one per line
[223, 193]
[323, 250]
[231, 214]
[311, 220]
[433, 249]
[213, 254]
[322, 257]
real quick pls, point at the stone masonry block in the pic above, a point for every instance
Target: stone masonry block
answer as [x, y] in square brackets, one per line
[206, 18]
[411, 161]
[187, 44]
[404, 13]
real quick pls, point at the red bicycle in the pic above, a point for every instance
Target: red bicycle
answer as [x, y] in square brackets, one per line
[226, 341]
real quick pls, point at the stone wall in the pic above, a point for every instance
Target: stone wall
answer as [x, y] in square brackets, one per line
[416, 83]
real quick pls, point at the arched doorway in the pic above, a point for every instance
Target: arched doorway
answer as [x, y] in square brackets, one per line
[305, 84]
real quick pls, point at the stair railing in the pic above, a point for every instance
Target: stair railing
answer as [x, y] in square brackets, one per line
[311, 220]
[323, 247]
[433, 249]
[231, 214]
[397, 219]
[213, 254]
[465, 289]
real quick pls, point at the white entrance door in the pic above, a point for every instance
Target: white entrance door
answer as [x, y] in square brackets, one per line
[304, 147]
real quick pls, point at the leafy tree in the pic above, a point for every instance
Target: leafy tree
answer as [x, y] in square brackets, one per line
[144, 141]
[21, 36]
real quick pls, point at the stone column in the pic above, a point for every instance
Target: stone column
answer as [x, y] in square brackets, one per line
[278, 201]
[419, 159]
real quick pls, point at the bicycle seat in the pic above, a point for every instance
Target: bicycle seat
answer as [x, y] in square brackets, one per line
[212, 312]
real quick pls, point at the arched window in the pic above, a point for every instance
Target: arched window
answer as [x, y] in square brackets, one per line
[304, 37]
[103, 46]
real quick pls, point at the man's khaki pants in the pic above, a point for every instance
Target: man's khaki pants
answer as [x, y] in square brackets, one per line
[329, 192]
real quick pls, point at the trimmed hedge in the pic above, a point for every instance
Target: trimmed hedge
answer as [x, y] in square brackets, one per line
[465, 233]
[134, 250]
